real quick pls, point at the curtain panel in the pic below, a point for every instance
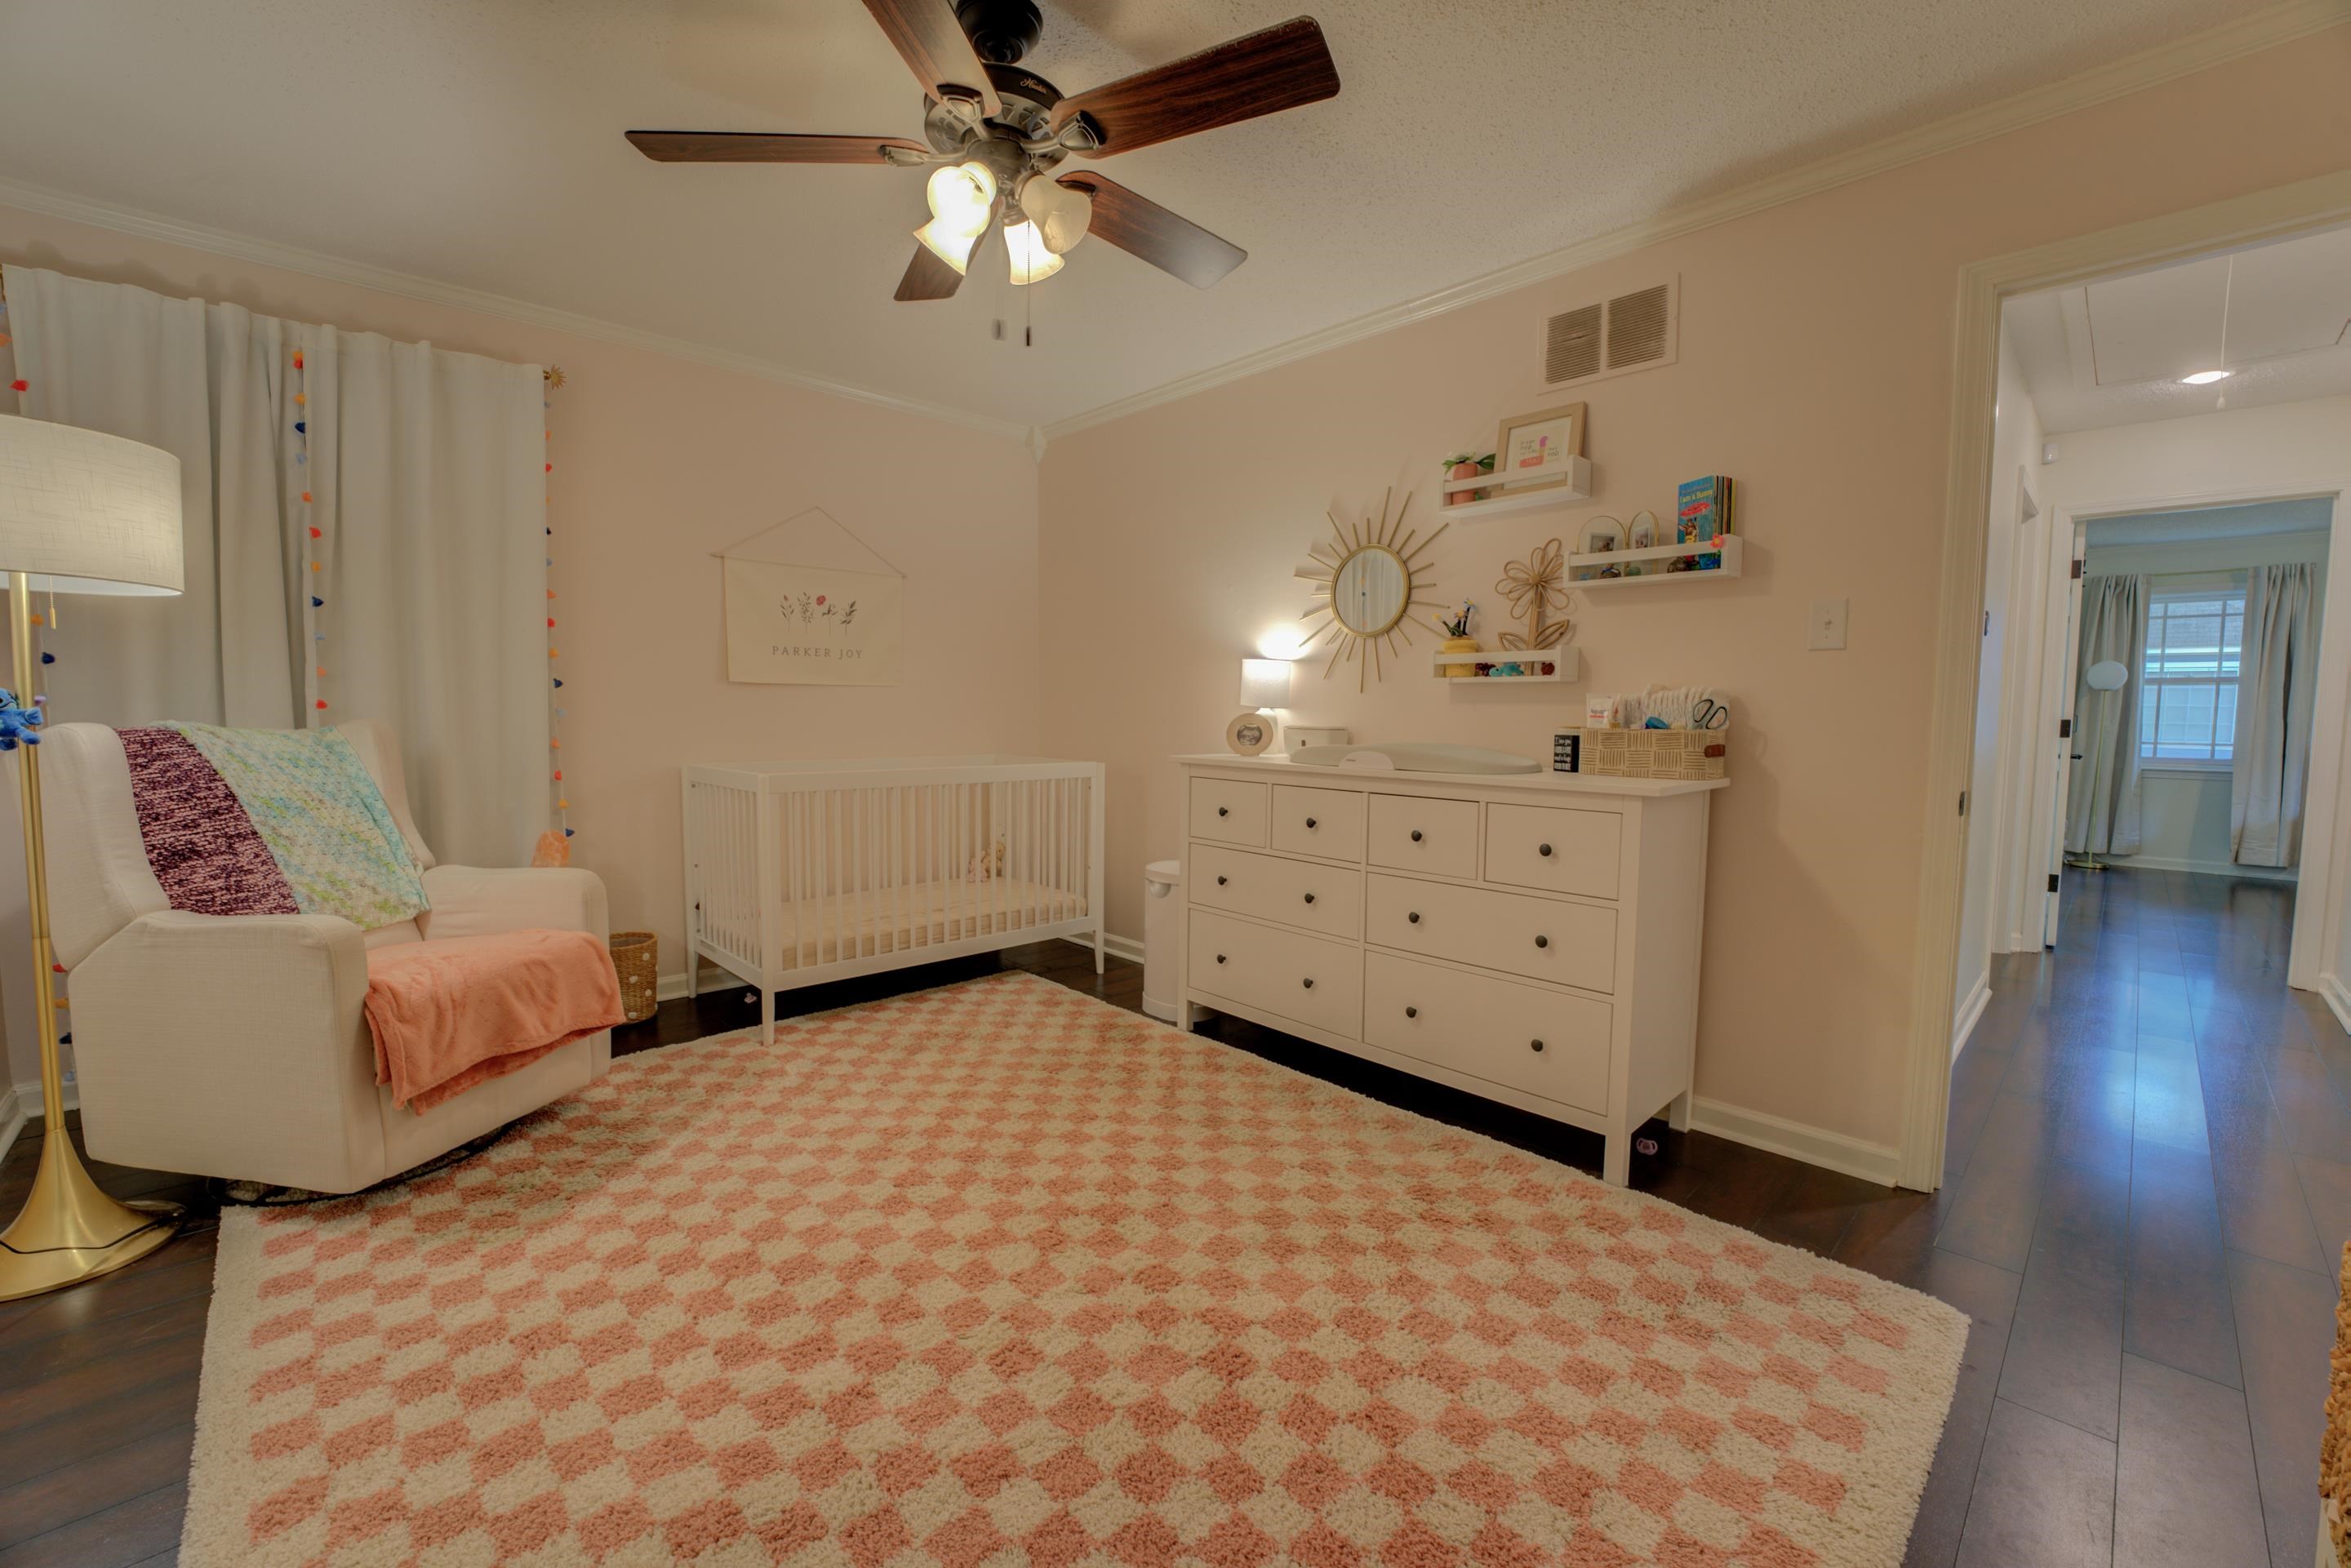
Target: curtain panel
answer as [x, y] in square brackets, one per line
[2276, 673]
[2102, 799]
[426, 470]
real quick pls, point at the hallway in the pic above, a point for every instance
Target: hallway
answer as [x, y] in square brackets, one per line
[2149, 1187]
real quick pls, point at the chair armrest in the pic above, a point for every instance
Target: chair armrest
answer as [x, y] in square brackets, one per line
[475, 901]
[229, 1045]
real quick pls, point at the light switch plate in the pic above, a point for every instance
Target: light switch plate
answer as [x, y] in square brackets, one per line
[1828, 623]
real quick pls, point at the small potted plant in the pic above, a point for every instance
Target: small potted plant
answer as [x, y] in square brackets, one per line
[1456, 627]
[1467, 465]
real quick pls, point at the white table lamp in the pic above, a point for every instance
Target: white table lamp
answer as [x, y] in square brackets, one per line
[1265, 684]
[80, 512]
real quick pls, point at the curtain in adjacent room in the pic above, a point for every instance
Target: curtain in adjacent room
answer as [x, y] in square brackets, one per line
[2101, 804]
[2275, 675]
[426, 470]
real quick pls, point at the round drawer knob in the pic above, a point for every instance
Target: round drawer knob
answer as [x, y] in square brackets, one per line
[1416, 835]
[1535, 1046]
[1220, 957]
[1309, 898]
[1220, 881]
[1543, 850]
[1412, 1012]
[1542, 941]
[1309, 821]
[1309, 984]
[1413, 917]
[1224, 811]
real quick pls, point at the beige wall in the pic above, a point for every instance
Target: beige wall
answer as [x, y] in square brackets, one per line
[1814, 367]
[659, 462]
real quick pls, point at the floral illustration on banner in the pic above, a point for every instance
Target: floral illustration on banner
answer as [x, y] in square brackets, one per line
[801, 624]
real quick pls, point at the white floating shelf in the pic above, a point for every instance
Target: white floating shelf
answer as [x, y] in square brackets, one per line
[1575, 471]
[1567, 664]
[1729, 547]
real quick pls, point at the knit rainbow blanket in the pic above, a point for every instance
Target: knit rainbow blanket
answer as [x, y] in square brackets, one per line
[268, 821]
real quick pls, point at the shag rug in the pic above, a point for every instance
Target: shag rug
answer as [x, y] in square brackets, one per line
[999, 1274]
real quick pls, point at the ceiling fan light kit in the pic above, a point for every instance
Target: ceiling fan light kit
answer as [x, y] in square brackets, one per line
[997, 132]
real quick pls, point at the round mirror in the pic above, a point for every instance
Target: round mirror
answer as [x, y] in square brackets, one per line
[1368, 592]
[2106, 676]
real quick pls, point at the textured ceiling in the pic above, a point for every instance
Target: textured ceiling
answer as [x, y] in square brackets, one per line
[478, 143]
[2276, 317]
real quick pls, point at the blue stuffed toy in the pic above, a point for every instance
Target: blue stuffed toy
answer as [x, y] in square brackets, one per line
[17, 723]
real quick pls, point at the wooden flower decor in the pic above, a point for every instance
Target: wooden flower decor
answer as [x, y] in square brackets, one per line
[1536, 586]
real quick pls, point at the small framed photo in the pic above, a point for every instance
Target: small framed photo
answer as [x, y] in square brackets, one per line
[1537, 440]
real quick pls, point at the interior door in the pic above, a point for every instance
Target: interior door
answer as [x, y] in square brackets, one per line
[2053, 857]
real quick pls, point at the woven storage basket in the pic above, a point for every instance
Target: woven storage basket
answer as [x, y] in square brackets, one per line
[636, 958]
[1654, 753]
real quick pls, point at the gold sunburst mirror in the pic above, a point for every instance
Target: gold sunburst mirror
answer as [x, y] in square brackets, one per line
[1368, 578]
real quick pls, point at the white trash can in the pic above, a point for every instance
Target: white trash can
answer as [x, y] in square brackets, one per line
[1161, 911]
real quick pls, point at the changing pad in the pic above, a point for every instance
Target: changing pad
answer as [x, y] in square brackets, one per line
[1416, 757]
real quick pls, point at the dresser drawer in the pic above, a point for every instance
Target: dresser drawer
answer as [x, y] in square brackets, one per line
[1556, 850]
[1328, 823]
[1310, 978]
[1413, 833]
[1326, 899]
[1541, 1042]
[1229, 810]
[1541, 939]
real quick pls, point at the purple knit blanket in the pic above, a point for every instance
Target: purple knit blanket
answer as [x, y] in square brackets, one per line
[202, 846]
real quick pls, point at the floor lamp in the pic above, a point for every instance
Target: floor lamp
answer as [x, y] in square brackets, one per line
[2105, 677]
[80, 512]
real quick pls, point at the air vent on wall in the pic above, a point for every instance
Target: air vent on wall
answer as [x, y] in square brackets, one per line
[1630, 332]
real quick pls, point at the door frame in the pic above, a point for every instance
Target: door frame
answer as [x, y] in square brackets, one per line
[2265, 215]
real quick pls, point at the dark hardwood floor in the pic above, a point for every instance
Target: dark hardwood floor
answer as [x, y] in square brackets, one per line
[2148, 1186]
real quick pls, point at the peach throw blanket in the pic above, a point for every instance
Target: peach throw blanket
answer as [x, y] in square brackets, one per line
[450, 1014]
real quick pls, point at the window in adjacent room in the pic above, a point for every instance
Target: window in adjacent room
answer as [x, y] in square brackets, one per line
[2188, 707]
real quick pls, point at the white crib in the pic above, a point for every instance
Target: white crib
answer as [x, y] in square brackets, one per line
[820, 870]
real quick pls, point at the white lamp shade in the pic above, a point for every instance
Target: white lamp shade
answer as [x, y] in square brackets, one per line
[1265, 682]
[84, 512]
[2109, 675]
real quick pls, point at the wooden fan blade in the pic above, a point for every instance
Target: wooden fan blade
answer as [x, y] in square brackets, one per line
[760, 147]
[1143, 227]
[932, 42]
[1282, 67]
[928, 278]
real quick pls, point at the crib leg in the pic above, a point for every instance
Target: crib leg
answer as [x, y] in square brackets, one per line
[1098, 949]
[767, 1017]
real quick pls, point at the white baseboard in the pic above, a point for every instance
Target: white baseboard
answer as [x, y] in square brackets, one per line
[2331, 990]
[1813, 1146]
[2205, 868]
[1117, 946]
[1979, 998]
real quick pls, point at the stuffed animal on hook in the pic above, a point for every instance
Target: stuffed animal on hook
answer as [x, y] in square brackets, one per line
[17, 723]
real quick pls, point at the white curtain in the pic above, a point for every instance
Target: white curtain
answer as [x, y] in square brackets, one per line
[2101, 804]
[2274, 678]
[427, 474]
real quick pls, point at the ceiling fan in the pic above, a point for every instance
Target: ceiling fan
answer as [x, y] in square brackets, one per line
[997, 132]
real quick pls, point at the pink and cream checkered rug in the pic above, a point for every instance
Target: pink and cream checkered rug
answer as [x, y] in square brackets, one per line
[997, 1275]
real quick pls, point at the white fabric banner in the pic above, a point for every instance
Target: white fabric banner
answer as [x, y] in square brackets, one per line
[812, 626]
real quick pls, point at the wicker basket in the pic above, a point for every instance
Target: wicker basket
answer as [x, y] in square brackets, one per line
[1653, 753]
[636, 958]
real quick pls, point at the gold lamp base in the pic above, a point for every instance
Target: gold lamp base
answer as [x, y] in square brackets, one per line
[69, 1231]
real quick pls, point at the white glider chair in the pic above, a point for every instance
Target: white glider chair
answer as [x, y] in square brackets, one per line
[236, 1045]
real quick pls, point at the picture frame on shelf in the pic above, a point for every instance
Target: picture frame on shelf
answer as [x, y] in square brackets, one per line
[1537, 440]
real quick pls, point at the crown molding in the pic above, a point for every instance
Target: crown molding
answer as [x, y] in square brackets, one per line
[2265, 29]
[410, 286]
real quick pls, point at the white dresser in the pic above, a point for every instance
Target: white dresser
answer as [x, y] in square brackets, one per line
[1530, 937]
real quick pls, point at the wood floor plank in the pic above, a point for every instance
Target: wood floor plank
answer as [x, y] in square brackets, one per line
[2044, 1496]
[133, 1531]
[1999, 1198]
[2286, 1328]
[2262, 1211]
[1988, 1295]
[60, 1496]
[2065, 1347]
[2186, 1495]
[2177, 1310]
